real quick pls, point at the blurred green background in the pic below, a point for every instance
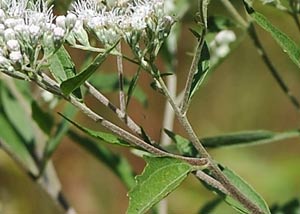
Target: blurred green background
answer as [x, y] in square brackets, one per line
[239, 95]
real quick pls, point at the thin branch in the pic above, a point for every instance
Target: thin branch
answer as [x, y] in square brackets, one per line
[231, 9]
[262, 52]
[121, 79]
[196, 58]
[215, 170]
[124, 117]
[211, 181]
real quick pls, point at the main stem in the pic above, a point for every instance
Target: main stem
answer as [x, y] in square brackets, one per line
[215, 170]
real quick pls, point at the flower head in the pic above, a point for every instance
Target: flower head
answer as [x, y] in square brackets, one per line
[24, 26]
[122, 20]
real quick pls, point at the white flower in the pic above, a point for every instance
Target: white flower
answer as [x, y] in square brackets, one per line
[58, 33]
[13, 45]
[123, 19]
[16, 56]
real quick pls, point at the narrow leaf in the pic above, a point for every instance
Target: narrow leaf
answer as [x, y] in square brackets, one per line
[285, 42]
[103, 136]
[75, 82]
[160, 177]
[16, 115]
[247, 190]
[132, 85]
[15, 144]
[118, 164]
[232, 139]
[44, 120]
[203, 66]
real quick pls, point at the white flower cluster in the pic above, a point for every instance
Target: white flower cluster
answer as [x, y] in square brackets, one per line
[220, 45]
[26, 26]
[122, 20]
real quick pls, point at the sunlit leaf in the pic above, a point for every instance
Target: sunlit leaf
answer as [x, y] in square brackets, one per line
[16, 115]
[62, 67]
[160, 177]
[75, 82]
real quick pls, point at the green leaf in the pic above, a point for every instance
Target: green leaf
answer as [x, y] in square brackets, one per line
[11, 140]
[132, 85]
[232, 139]
[16, 115]
[285, 42]
[118, 164]
[203, 67]
[248, 138]
[160, 177]
[103, 136]
[75, 82]
[44, 120]
[62, 67]
[210, 206]
[184, 146]
[247, 190]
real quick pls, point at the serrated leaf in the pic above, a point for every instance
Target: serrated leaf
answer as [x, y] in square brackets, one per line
[44, 120]
[16, 115]
[232, 139]
[284, 41]
[160, 177]
[118, 164]
[103, 136]
[62, 67]
[203, 66]
[75, 82]
[247, 190]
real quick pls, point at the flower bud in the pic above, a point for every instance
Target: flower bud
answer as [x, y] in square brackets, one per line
[58, 33]
[9, 34]
[71, 20]
[61, 22]
[13, 45]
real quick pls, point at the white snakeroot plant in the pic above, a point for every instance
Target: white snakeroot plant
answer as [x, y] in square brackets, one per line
[32, 48]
